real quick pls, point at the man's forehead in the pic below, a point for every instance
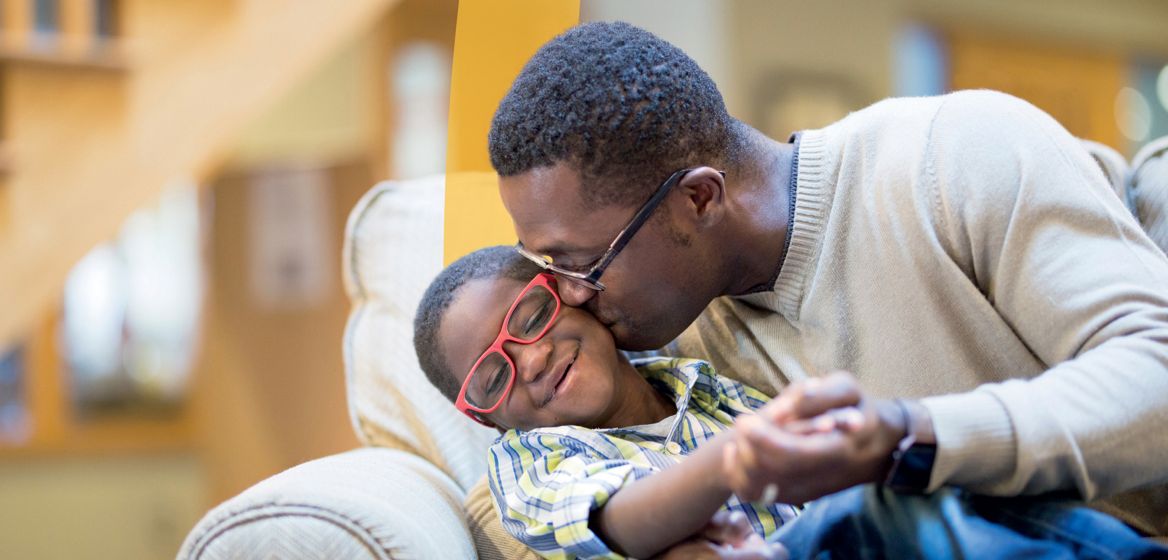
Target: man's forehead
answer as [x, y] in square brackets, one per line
[549, 213]
[553, 189]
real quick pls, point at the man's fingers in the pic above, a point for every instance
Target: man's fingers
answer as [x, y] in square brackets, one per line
[837, 390]
[813, 397]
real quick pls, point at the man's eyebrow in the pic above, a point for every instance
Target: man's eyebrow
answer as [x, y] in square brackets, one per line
[561, 250]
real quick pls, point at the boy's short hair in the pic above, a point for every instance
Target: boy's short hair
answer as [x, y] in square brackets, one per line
[498, 262]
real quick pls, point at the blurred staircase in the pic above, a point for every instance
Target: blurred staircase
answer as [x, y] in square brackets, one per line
[92, 132]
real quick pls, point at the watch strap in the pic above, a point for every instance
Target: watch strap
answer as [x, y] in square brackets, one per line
[912, 461]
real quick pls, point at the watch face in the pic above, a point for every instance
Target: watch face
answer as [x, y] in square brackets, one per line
[912, 468]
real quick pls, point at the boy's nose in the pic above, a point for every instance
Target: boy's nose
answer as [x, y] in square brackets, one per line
[574, 293]
[530, 359]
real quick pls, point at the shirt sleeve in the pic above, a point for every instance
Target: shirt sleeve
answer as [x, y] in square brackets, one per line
[1021, 207]
[547, 485]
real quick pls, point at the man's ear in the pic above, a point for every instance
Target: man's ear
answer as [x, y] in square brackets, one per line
[704, 189]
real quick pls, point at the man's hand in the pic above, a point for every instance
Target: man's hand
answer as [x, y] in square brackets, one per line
[816, 438]
[728, 536]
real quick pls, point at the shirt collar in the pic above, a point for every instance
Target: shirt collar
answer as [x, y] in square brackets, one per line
[688, 381]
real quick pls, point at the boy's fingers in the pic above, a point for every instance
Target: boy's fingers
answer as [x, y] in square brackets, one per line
[764, 551]
[740, 480]
[729, 527]
[731, 469]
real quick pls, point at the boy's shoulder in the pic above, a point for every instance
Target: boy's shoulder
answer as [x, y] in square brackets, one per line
[683, 372]
[668, 366]
[552, 440]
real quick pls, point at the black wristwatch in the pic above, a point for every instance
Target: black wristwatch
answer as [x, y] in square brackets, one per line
[912, 461]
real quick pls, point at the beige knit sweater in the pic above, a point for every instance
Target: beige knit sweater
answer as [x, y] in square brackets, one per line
[966, 249]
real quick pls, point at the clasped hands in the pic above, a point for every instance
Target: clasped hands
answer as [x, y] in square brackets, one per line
[817, 437]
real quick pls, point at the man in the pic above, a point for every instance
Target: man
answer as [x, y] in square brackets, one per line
[962, 251]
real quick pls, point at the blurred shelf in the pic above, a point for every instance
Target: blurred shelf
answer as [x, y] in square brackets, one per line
[107, 54]
[109, 436]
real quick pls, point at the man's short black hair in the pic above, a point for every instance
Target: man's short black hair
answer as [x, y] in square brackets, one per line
[620, 105]
[501, 261]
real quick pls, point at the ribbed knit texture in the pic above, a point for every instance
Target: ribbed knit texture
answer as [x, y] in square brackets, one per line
[966, 248]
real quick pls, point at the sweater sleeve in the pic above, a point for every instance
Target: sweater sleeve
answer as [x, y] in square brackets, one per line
[1021, 208]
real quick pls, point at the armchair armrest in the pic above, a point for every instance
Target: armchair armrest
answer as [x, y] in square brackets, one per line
[367, 503]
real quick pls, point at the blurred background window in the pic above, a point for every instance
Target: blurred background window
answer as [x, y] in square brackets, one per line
[104, 18]
[46, 16]
[421, 85]
[919, 65]
[1142, 113]
[14, 422]
[132, 307]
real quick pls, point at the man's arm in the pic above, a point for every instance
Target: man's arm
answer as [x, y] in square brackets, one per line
[1068, 269]
[1023, 211]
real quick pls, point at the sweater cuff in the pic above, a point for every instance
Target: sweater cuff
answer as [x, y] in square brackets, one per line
[975, 441]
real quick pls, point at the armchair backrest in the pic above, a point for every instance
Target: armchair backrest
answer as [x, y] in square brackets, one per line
[1113, 165]
[1149, 190]
[393, 249]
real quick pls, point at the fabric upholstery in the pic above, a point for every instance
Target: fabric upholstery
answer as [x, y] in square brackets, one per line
[393, 249]
[491, 540]
[1114, 168]
[1149, 188]
[366, 503]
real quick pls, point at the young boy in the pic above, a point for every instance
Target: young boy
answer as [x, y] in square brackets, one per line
[600, 456]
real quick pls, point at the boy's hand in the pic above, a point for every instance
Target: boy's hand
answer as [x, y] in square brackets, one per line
[730, 537]
[817, 437]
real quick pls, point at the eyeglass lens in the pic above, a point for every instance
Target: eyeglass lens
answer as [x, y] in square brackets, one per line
[533, 312]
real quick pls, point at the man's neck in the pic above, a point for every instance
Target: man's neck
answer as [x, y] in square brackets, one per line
[762, 202]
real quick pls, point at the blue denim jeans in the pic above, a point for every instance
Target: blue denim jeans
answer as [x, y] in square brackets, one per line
[873, 522]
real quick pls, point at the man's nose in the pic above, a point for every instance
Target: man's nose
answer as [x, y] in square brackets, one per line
[574, 293]
[530, 359]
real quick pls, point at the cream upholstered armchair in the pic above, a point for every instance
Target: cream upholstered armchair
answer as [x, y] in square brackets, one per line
[1142, 185]
[402, 495]
[1148, 190]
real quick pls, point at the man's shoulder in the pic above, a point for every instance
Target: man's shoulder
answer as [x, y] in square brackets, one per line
[901, 113]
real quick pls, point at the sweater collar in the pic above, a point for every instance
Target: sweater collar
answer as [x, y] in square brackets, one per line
[813, 190]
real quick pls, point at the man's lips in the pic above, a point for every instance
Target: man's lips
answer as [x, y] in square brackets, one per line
[560, 375]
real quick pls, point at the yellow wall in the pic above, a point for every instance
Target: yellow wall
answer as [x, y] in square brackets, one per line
[493, 40]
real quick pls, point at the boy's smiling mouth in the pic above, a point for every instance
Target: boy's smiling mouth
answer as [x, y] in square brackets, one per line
[561, 376]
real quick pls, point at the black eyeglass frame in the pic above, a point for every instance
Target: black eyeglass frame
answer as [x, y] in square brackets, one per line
[591, 279]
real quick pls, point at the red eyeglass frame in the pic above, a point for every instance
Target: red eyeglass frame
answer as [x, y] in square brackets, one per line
[542, 280]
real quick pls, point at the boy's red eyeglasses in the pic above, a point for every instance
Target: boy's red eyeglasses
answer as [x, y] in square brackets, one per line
[492, 376]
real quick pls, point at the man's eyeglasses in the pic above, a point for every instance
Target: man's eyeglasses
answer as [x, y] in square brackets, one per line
[493, 374]
[591, 277]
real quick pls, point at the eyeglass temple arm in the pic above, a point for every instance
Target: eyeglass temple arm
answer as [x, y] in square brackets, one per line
[639, 220]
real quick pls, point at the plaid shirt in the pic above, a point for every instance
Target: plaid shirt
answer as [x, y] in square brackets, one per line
[546, 482]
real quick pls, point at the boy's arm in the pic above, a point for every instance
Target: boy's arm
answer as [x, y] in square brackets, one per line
[569, 496]
[658, 511]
